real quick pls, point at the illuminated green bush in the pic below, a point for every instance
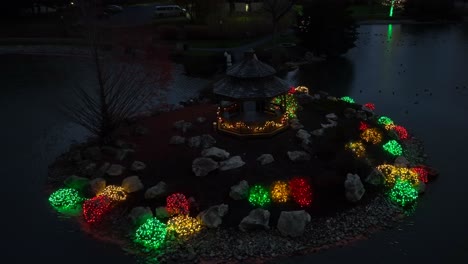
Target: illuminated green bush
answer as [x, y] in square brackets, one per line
[393, 147]
[347, 99]
[65, 199]
[259, 196]
[403, 193]
[151, 234]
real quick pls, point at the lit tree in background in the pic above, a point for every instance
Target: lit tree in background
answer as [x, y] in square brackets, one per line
[394, 4]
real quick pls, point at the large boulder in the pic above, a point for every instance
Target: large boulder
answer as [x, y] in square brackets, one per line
[102, 170]
[331, 123]
[265, 159]
[157, 190]
[97, 185]
[213, 216]
[293, 223]
[318, 132]
[139, 215]
[375, 177]
[257, 219]
[298, 155]
[92, 153]
[115, 170]
[138, 166]
[354, 189]
[132, 184]
[194, 142]
[76, 182]
[332, 116]
[215, 153]
[202, 166]
[239, 191]
[176, 140]
[207, 141]
[183, 125]
[232, 163]
[401, 162]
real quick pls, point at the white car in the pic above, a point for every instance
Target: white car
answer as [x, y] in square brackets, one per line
[169, 11]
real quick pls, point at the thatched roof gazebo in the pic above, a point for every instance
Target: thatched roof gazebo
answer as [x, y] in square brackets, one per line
[253, 99]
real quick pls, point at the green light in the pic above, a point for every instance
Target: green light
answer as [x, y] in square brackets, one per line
[151, 234]
[65, 199]
[291, 104]
[391, 10]
[347, 99]
[259, 196]
[383, 120]
[393, 147]
[403, 193]
[389, 32]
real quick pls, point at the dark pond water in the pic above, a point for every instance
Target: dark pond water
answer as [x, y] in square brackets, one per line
[391, 67]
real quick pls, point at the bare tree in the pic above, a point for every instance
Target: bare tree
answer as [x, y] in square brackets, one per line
[120, 91]
[277, 9]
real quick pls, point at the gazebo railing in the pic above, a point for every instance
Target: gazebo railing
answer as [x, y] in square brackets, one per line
[242, 128]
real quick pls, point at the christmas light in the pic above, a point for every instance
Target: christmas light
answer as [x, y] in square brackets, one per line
[151, 234]
[302, 89]
[259, 196]
[403, 193]
[422, 173]
[65, 199]
[291, 104]
[94, 209]
[363, 126]
[370, 106]
[184, 225]
[393, 147]
[280, 192]
[401, 132]
[301, 191]
[392, 174]
[347, 99]
[371, 135]
[177, 204]
[357, 148]
[383, 120]
[115, 193]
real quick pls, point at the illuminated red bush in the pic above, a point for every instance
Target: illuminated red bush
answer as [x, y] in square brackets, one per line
[401, 132]
[301, 191]
[94, 209]
[363, 126]
[422, 173]
[177, 204]
[370, 106]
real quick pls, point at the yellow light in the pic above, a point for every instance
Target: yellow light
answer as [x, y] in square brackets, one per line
[246, 7]
[392, 173]
[357, 148]
[115, 193]
[280, 192]
[389, 127]
[184, 225]
[371, 135]
[302, 89]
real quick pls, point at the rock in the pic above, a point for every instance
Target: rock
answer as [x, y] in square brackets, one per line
[303, 135]
[293, 223]
[176, 140]
[232, 163]
[360, 114]
[318, 132]
[350, 113]
[207, 141]
[212, 217]
[179, 124]
[88, 169]
[108, 150]
[239, 191]
[295, 124]
[92, 153]
[201, 119]
[157, 190]
[76, 182]
[138, 166]
[332, 98]
[139, 215]
[332, 116]
[375, 177]
[354, 189]
[123, 154]
[132, 184]
[298, 156]
[202, 166]
[97, 185]
[331, 123]
[102, 170]
[265, 159]
[194, 142]
[257, 219]
[123, 145]
[401, 162]
[115, 170]
[421, 187]
[215, 153]
[140, 131]
[161, 212]
[183, 125]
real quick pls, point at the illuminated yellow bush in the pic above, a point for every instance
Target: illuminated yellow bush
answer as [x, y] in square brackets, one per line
[392, 174]
[280, 192]
[357, 148]
[184, 225]
[371, 135]
[115, 193]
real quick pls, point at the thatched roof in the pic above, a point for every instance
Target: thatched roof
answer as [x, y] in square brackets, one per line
[255, 88]
[250, 79]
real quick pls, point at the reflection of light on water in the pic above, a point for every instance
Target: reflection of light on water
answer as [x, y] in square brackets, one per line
[389, 32]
